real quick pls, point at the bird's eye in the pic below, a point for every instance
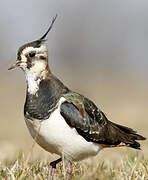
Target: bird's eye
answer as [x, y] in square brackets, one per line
[31, 54]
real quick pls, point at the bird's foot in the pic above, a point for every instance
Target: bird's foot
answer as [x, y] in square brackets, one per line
[52, 168]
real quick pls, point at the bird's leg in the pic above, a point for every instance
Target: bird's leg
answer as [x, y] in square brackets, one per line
[52, 167]
[69, 171]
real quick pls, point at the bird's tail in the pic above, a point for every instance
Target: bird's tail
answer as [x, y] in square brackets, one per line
[128, 136]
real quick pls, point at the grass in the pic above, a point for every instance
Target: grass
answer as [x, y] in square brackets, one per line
[132, 166]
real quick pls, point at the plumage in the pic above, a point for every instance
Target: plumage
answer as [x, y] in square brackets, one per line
[62, 121]
[56, 136]
[93, 125]
[79, 113]
[41, 104]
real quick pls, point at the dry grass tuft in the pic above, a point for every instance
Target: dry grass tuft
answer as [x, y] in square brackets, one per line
[131, 167]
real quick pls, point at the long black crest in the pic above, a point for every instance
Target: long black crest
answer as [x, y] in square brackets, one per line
[50, 27]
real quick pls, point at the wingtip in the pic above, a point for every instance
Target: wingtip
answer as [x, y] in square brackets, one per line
[139, 137]
[144, 138]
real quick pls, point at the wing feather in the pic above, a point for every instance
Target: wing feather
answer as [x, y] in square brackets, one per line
[91, 123]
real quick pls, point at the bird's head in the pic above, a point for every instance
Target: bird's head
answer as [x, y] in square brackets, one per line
[33, 56]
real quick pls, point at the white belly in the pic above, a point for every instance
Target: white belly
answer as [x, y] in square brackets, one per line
[55, 136]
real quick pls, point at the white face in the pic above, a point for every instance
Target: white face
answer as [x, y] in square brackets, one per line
[34, 62]
[33, 59]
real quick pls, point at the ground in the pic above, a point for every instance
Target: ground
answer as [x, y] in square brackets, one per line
[123, 164]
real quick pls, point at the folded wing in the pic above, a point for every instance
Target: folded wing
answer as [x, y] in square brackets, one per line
[91, 123]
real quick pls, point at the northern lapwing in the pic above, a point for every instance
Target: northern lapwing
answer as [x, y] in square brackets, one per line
[60, 120]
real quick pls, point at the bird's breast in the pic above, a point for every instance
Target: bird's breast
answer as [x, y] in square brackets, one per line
[56, 136]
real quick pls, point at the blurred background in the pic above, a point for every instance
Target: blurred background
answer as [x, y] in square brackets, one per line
[98, 48]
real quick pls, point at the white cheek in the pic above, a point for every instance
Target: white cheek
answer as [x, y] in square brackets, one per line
[38, 66]
[23, 58]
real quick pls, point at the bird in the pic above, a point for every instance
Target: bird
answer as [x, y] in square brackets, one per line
[60, 120]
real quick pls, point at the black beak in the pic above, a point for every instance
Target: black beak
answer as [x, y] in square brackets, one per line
[14, 65]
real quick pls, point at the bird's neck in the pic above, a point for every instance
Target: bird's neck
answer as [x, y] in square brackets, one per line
[43, 96]
[33, 79]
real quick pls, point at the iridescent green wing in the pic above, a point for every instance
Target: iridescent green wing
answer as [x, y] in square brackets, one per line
[91, 123]
[82, 114]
